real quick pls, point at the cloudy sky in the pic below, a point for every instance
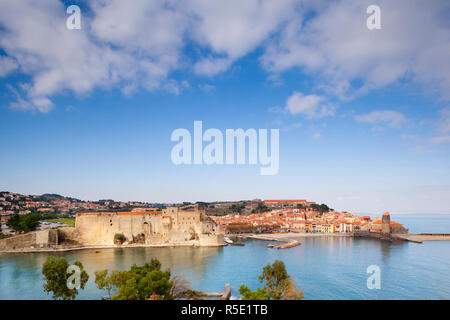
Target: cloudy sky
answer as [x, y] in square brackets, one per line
[364, 115]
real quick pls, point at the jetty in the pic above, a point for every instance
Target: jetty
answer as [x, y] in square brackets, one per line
[225, 295]
[286, 242]
[417, 238]
[290, 244]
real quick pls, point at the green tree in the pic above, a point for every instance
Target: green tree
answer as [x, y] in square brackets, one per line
[154, 264]
[276, 277]
[26, 223]
[235, 208]
[258, 294]
[110, 283]
[278, 285]
[324, 208]
[14, 222]
[30, 222]
[140, 282]
[262, 208]
[56, 276]
[321, 208]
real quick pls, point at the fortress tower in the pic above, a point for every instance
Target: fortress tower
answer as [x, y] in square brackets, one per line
[386, 223]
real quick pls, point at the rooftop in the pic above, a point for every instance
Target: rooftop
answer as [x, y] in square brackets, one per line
[120, 213]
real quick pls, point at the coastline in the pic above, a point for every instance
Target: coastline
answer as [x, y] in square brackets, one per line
[77, 248]
[290, 236]
[281, 237]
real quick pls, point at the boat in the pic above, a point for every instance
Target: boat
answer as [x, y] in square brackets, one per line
[227, 240]
[236, 244]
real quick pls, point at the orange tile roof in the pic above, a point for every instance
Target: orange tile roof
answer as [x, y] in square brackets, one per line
[120, 213]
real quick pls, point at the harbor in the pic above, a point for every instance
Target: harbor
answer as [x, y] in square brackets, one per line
[316, 264]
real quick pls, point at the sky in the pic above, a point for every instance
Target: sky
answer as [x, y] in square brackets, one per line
[363, 115]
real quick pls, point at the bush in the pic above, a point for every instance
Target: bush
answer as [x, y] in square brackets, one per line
[26, 223]
[278, 285]
[144, 282]
[119, 237]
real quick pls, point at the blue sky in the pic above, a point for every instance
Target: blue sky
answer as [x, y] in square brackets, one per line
[364, 115]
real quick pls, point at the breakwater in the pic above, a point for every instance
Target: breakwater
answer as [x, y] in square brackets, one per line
[287, 242]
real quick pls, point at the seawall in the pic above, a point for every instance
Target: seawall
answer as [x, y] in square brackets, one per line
[37, 240]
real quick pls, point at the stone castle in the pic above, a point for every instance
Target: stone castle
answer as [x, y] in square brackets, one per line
[187, 225]
[174, 225]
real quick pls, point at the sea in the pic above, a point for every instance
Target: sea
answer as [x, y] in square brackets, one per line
[324, 267]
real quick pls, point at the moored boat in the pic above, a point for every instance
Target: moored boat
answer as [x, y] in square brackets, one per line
[227, 240]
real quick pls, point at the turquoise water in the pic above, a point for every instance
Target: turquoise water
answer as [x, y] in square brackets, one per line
[324, 267]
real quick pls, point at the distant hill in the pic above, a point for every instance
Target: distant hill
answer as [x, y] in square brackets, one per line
[48, 197]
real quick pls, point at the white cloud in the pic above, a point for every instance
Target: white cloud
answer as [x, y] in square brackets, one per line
[289, 127]
[440, 139]
[211, 67]
[335, 45]
[316, 136]
[445, 120]
[126, 45]
[233, 28]
[420, 150]
[132, 45]
[7, 65]
[207, 87]
[236, 27]
[150, 32]
[120, 45]
[442, 128]
[312, 106]
[391, 118]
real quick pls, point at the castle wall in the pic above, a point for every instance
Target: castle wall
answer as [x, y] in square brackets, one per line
[31, 240]
[100, 228]
[172, 225]
[211, 240]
